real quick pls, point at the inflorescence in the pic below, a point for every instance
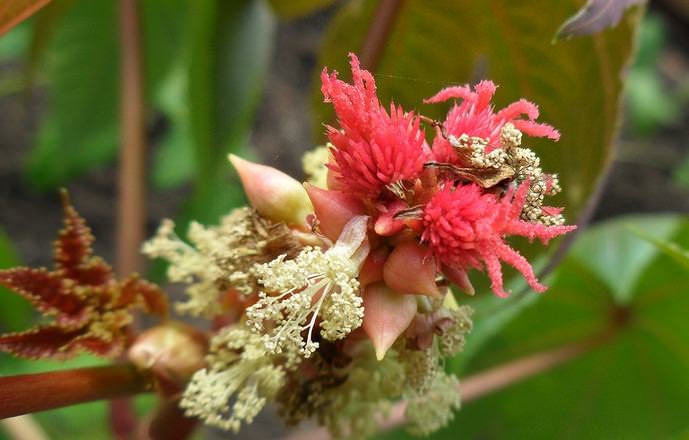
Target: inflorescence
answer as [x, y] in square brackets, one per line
[332, 299]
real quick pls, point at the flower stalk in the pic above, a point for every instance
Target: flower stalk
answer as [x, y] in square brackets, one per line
[29, 393]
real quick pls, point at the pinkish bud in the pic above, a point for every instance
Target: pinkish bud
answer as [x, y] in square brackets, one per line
[372, 270]
[409, 269]
[460, 278]
[333, 209]
[274, 194]
[173, 351]
[387, 314]
[386, 224]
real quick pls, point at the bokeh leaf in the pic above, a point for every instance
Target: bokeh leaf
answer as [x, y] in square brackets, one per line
[13, 12]
[671, 249]
[635, 384]
[231, 45]
[81, 61]
[80, 129]
[576, 83]
[16, 312]
[596, 16]
[297, 8]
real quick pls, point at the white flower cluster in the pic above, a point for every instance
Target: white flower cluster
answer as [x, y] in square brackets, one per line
[219, 257]
[239, 371]
[315, 285]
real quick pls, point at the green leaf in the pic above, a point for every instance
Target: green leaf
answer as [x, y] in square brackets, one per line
[81, 62]
[576, 83]
[671, 249]
[635, 384]
[173, 163]
[13, 44]
[15, 313]
[231, 44]
[80, 129]
[297, 8]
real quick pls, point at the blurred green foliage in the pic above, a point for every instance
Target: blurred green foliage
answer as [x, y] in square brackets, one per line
[650, 104]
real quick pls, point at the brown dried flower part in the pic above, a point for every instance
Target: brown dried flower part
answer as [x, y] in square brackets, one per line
[223, 257]
[90, 309]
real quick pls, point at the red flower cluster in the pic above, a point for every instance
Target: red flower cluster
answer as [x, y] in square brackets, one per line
[438, 198]
[374, 148]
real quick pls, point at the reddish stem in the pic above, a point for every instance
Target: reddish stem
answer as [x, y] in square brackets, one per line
[28, 393]
[169, 422]
[131, 179]
[379, 32]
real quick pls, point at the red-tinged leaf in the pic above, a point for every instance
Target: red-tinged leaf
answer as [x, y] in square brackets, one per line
[596, 16]
[137, 291]
[13, 12]
[387, 314]
[47, 292]
[73, 252]
[99, 347]
[41, 342]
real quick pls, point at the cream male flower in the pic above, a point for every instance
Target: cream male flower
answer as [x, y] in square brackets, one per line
[315, 285]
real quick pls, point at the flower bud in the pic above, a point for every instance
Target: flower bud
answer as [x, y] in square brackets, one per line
[386, 224]
[410, 270]
[274, 194]
[387, 314]
[333, 209]
[173, 351]
[372, 270]
[460, 278]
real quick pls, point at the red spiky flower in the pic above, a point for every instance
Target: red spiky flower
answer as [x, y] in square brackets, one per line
[90, 308]
[372, 148]
[475, 116]
[466, 228]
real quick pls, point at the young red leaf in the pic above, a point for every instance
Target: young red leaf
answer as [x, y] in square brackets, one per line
[41, 342]
[93, 310]
[135, 291]
[73, 253]
[47, 292]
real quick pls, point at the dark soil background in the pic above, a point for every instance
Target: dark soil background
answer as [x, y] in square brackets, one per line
[641, 178]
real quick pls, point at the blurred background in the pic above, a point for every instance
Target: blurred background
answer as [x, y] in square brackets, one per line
[242, 76]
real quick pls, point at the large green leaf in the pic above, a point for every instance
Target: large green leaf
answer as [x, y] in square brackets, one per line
[635, 385]
[434, 44]
[80, 129]
[81, 62]
[229, 58]
[231, 44]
